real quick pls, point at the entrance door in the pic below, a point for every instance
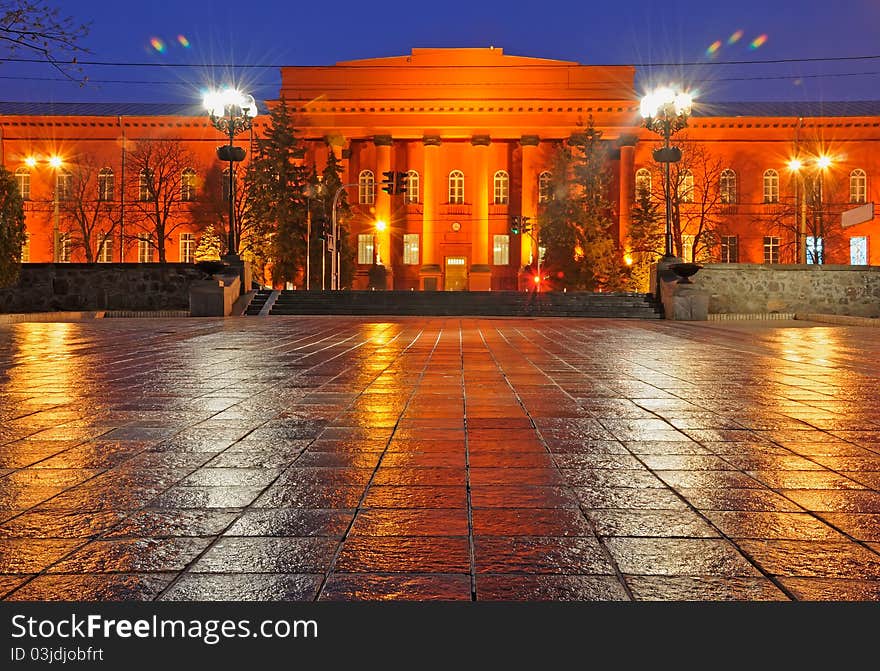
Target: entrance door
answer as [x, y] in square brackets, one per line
[456, 273]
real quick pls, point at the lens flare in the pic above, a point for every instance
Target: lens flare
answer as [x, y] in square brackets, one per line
[183, 41]
[713, 48]
[157, 44]
[736, 37]
[759, 41]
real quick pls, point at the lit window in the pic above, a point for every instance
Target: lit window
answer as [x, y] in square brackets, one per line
[727, 186]
[501, 250]
[643, 183]
[456, 187]
[815, 250]
[145, 249]
[64, 247]
[145, 186]
[188, 185]
[105, 251]
[771, 249]
[365, 248]
[105, 184]
[501, 182]
[687, 247]
[729, 249]
[771, 186]
[23, 182]
[686, 187]
[187, 247]
[411, 249]
[366, 187]
[858, 186]
[412, 187]
[26, 248]
[858, 251]
[64, 185]
[544, 186]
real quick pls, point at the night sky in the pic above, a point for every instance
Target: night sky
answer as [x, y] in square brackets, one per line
[213, 33]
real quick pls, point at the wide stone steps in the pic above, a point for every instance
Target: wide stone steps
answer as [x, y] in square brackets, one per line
[257, 302]
[486, 303]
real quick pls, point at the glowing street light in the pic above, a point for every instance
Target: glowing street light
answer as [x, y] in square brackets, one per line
[666, 111]
[231, 112]
[381, 227]
[55, 162]
[796, 166]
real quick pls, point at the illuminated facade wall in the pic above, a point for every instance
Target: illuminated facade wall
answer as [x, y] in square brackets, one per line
[477, 128]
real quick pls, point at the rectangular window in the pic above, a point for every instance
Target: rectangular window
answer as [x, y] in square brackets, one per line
[365, 249]
[729, 249]
[501, 250]
[411, 249]
[65, 247]
[815, 250]
[26, 249]
[858, 251]
[687, 248]
[145, 249]
[105, 253]
[771, 249]
[187, 247]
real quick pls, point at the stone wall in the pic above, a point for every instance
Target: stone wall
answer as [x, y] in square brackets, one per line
[754, 288]
[48, 287]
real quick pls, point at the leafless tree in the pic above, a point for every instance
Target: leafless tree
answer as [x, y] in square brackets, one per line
[35, 27]
[156, 181]
[89, 208]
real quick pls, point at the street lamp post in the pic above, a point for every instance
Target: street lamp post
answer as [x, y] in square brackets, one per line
[377, 253]
[55, 162]
[665, 112]
[822, 163]
[333, 242]
[231, 112]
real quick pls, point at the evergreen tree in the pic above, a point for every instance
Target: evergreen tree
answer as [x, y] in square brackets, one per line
[12, 228]
[276, 195]
[576, 226]
[645, 239]
[210, 245]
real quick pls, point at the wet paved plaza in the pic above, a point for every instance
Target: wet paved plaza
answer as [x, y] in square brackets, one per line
[438, 458]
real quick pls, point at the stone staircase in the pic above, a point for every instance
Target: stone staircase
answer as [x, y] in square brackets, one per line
[257, 302]
[461, 303]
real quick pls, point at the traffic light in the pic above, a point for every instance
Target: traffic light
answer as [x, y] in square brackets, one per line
[400, 183]
[388, 182]
[322, 228]
[519, 225]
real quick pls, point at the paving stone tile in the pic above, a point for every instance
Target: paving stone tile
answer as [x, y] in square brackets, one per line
[244, 587]
[540, 555]
[824, 589]
[94, 587]
[703, 588]
[292, 522]
[772, 525]
[404, 554]
[518, 587]
[821, 559]
[677, 556]
[397, 587]
[650, 523]
[267, 555]
[142, 555]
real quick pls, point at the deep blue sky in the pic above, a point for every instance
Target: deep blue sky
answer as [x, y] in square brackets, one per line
[276, 32]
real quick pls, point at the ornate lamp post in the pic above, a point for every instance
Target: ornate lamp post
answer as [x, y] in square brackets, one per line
[231, 112]
[666, 112]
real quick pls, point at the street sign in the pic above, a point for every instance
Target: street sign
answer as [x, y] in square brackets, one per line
[857, 215]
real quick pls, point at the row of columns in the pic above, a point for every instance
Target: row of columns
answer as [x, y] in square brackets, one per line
[530, 166]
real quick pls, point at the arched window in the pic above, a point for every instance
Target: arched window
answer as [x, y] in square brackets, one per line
[64, 184]
[771, 186]
[456, 187]
[105, 184]
[858, 186]
[188, 185]
[643, 183]
[366, 187]
[23, 182]
[544, 193]
[225, 185]
[145, 187]
[501, 182]
[727, 186]
[412, 187]
[686, 187]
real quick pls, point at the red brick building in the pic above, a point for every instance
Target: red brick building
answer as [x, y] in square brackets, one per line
[475, 131]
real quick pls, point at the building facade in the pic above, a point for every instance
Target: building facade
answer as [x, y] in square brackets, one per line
[475, 131]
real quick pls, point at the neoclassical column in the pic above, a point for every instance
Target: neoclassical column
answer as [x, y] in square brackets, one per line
[383, 200]
[627, 145]
[480, 277]
[529, 181]
[430, 271]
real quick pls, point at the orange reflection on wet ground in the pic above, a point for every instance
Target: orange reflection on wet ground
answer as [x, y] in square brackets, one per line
[438, 458]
